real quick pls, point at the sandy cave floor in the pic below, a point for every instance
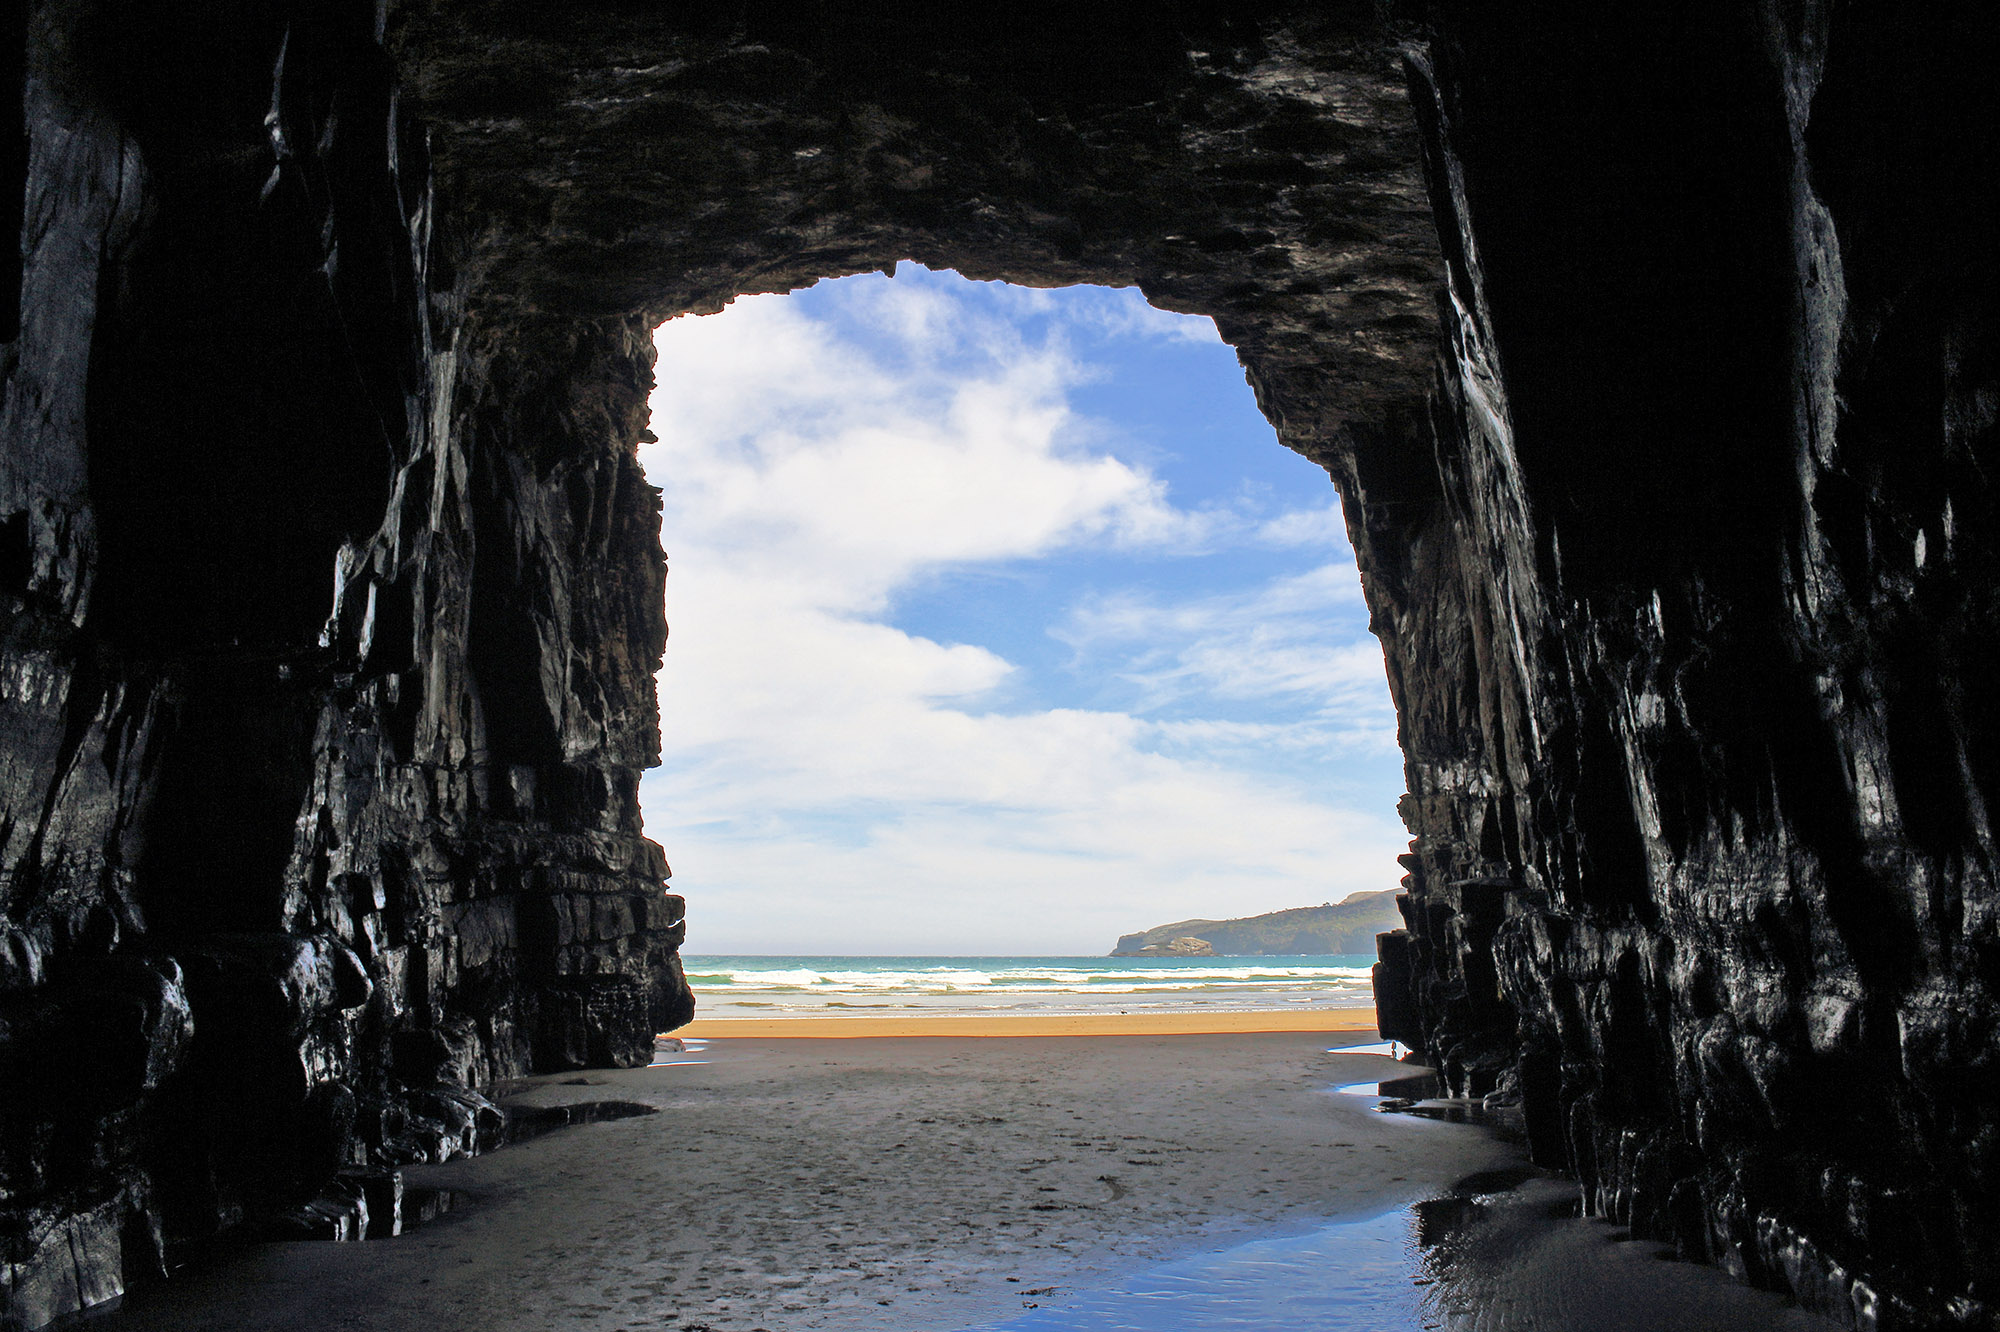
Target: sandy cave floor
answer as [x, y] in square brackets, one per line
[922, 1184]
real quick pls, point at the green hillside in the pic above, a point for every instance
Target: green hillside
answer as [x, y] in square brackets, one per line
[1337, 927]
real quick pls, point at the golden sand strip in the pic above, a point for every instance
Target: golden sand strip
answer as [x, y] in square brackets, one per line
[1047, 1024]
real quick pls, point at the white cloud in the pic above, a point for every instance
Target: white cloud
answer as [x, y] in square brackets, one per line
[1285, 638]
[834, 783]
[839, 476]
[1306, 527]
[1136, 319]
[1107, 312]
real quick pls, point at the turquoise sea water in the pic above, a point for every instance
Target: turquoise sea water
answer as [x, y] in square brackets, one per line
[746, 986]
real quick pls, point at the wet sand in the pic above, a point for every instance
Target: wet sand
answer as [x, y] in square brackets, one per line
[900, 1183]
[1489, 1256]
[1346, 1023]
[931, 1184]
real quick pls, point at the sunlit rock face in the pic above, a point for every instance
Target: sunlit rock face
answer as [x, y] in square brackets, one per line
[1655, 359]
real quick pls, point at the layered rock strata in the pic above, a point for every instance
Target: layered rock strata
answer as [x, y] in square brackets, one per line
[1654, 358]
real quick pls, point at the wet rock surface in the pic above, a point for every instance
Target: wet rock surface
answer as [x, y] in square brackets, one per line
[327, 663]
[1686, 667]
[1655, 359]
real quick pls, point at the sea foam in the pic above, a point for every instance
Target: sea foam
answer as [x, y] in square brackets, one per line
[793, 983]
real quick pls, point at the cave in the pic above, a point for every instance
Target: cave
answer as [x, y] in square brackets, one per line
[1653, 354]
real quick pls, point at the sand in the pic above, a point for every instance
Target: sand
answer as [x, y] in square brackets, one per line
[940, 1183]
[921, 1183]
[1342, 1022]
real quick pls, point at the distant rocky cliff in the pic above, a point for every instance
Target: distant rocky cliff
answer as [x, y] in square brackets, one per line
[1348, 926]
[1653, 350]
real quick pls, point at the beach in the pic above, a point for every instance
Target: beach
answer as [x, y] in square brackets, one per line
[942, 1183]
[908, 1182]
[1178, 1022]
[1037, 988]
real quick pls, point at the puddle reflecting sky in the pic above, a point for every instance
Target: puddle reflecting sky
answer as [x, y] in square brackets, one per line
[1355, 1275]
[1499, 1253]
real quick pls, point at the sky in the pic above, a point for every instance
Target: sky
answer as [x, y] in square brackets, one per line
[1000, 624]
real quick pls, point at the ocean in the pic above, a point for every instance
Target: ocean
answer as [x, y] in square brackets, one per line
[751, 986]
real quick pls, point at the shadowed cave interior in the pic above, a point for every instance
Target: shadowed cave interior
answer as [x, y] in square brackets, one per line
[1654, 358]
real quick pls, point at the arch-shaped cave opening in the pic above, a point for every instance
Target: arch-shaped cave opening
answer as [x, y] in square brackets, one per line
[1726, 611]
[1002, 628]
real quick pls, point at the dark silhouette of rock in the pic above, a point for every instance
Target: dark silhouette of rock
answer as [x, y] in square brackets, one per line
[1653, 352]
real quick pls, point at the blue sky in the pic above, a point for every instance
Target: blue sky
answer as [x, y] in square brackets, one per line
[1001, 623]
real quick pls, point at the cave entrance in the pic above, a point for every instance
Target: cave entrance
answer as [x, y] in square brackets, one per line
[1003, 626]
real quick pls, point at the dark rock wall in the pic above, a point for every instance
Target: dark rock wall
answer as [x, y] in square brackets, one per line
[328, 645]
[1697, 712]
[1654, 356]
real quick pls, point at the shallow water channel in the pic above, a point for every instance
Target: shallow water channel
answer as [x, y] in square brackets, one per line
[1500, 1251]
